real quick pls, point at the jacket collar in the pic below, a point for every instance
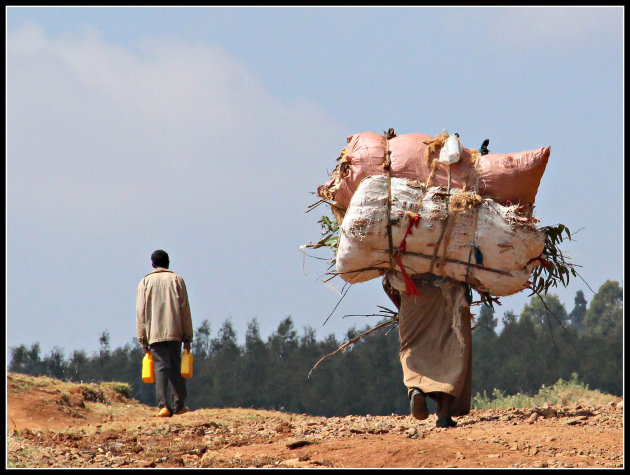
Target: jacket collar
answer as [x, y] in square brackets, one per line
[159, 269]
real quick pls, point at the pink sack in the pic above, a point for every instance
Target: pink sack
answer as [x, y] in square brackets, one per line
[505, 178]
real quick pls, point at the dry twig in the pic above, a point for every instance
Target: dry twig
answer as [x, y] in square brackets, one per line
[392, 321]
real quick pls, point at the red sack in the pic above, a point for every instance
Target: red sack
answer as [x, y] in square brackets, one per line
[505, 178]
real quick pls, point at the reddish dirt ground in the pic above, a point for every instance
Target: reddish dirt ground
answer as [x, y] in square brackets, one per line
[55, 424]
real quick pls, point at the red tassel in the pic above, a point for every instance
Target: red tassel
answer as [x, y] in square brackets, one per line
[413, 223]
[544, 262]
[410, 286]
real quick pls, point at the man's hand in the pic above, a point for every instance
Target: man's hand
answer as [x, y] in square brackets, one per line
[187, 345]
[146, 349]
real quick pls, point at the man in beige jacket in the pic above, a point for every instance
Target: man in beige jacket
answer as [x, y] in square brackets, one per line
[163, 323]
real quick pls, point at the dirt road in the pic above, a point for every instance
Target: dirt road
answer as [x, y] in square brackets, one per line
[56, 424]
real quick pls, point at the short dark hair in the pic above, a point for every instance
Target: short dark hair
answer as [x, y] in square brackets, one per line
[159, 258]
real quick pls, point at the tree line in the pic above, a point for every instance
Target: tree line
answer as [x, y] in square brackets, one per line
[539, 346]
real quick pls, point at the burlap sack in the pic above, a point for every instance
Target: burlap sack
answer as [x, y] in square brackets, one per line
[441, 242]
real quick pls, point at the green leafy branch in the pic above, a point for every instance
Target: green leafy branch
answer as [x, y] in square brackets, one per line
[330, 233]
[555, 267]
[330, 239]
[330, 236]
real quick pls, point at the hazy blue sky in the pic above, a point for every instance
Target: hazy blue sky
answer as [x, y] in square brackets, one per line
[205, 131]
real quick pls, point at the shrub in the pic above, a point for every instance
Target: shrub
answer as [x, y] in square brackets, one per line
[561, 393]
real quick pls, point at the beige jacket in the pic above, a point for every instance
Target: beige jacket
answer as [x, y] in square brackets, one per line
[162, 308]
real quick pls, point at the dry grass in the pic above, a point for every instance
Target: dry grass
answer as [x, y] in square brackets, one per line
[562, 393]
[104, 393]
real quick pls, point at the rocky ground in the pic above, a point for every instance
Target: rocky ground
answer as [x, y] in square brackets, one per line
[56, 424]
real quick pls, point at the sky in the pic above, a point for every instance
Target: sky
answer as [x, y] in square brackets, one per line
[205, 131]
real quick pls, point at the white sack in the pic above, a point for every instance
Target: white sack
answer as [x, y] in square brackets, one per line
[507, 244]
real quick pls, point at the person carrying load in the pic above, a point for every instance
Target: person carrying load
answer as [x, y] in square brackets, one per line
[434, 324]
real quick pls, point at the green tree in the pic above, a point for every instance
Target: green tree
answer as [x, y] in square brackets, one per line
[328, 380]
[348, 390]
[282, 389]
[601, 343]
[201, 342]
[484, 353]
[54, 364]
[79, 367]
[378, 363]
[516, 352]
[605, 312]
[578, 313]
[486, 323]
[200, 386]
[254, 367]
[104, 341]
[312, 397]
[509, 318]
[601, 361]
[547, 313]
[284, 340]
[26, 361]
[224, 368]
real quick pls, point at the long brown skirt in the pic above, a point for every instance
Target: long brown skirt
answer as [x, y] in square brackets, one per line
[435, 348]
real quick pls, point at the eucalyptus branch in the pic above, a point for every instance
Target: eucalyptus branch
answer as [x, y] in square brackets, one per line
[329, 239]
[555, 266]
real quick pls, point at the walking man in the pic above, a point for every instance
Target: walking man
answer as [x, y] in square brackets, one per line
[163, 323]
[435, 344]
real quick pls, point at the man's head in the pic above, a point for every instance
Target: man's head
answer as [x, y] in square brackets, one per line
[159, 258]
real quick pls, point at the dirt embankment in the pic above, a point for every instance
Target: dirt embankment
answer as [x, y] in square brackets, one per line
[55, 424]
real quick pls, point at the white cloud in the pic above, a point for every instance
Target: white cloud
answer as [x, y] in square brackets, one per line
[89, 112]
[160, 143]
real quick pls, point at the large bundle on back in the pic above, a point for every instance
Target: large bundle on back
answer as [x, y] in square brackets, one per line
[402, 207]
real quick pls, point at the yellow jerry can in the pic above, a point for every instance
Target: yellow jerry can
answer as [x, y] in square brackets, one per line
[187, 364]
[148, 376]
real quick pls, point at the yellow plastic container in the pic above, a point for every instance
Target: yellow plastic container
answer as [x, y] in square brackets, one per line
[148, 376]
[187, 364]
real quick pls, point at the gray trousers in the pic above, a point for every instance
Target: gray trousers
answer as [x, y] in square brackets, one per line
[167, 368]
